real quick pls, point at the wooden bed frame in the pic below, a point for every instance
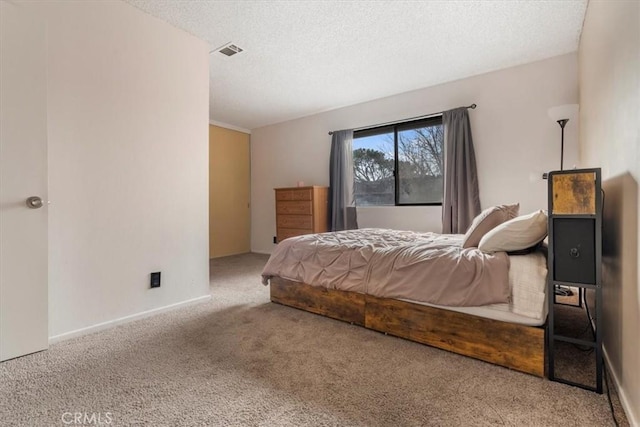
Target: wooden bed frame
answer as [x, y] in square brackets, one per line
[511, 345]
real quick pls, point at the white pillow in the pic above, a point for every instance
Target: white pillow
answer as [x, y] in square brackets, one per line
[516, 234]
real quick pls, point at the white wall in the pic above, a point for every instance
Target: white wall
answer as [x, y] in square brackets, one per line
[609, 68]
[128, 163]
[515, 141]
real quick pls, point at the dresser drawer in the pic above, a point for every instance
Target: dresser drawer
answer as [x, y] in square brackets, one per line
[285, 233]
[294, 207]
[294, 194]
[295, 221]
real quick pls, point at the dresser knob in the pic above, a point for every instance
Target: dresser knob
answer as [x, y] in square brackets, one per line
[574, 252]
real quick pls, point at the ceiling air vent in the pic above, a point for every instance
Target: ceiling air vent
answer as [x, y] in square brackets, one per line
[230, 49]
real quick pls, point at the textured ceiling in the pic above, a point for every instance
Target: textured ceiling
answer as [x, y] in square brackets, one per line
[304, 57]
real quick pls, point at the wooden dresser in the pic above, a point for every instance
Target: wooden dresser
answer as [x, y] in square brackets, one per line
[301, 210]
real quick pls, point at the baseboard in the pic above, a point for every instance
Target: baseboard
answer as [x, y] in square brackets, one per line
[624, 399]
[260, 252]
[227, 255]
[126, 319]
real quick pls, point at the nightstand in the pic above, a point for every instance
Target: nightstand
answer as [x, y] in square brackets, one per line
[575, 259]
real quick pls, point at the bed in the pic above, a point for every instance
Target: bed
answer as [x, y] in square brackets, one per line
[420, 286]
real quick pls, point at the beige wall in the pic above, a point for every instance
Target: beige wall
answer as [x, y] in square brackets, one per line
[609, 69]
[515, 141]
[128, 131]
[229, 192]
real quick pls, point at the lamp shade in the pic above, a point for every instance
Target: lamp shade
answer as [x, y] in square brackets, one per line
[563, 112]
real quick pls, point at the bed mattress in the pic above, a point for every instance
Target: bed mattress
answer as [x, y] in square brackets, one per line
[528, 302]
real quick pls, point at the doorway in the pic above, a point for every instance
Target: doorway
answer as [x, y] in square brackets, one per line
[229, 192]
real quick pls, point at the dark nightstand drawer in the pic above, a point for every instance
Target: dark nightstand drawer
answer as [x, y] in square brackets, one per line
[574, 250]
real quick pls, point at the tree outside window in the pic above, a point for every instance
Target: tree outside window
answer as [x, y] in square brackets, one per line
[400, 165]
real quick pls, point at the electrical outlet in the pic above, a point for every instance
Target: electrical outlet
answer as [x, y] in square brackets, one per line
[275, 240]
[155, 279]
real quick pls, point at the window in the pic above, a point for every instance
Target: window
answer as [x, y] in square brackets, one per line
[400, 164]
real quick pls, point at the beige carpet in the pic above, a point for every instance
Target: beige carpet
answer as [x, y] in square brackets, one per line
[240, 360]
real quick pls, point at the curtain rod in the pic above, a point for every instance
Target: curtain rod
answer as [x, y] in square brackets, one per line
[472, 106]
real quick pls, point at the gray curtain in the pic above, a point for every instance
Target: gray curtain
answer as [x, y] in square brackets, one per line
[461, 195]
[341, 201]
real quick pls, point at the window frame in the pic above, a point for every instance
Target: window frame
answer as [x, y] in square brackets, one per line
[388, 128]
